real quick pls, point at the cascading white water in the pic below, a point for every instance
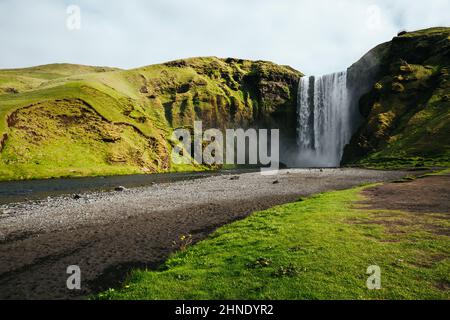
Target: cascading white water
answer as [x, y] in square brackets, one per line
[324, 120]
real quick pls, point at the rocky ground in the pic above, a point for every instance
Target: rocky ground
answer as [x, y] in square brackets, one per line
[107, 234]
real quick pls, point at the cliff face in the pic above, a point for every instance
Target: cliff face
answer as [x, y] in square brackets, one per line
[70, 120]
[406, 108]
[230, 93]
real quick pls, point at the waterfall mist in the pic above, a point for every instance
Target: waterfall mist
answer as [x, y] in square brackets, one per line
[325, 113]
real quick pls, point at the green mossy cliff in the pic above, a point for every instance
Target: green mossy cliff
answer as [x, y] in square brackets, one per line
[407, 107]
[71, 120]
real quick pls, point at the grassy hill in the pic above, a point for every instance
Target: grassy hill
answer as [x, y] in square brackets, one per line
[71, 120]
[18, 80]
[407, 109]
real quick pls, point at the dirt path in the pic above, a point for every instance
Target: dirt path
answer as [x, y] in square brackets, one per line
[107, 234]
[425, 195]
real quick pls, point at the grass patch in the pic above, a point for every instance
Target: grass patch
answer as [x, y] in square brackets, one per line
[318, 248]
[440, 172]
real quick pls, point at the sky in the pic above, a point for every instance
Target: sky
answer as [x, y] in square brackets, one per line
[315, 37]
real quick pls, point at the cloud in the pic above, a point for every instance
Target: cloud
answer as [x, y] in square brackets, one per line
[316, 37]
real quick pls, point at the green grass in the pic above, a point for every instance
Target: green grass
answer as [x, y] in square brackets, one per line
[428, 32]
[26, 79]
[439, 172]
[318, 248]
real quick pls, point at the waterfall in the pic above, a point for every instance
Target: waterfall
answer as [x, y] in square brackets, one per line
[324, 120]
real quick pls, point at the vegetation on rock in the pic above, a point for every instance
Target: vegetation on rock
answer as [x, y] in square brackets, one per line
[407, 111]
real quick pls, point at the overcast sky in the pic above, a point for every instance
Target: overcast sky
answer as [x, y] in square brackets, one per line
[316, 37]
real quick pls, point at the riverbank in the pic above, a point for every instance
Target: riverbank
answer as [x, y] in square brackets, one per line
[32, 190]
[109, 233]
[324, 247]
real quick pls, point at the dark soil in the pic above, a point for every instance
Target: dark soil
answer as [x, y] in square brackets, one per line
[429, 194]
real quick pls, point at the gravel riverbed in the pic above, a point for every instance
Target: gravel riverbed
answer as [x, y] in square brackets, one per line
[109, 233]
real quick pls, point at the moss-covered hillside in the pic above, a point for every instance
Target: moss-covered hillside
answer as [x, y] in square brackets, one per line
[407, 110]
[71, 120]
